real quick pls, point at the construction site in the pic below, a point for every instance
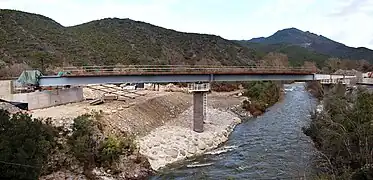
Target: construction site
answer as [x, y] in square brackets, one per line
[134, 107]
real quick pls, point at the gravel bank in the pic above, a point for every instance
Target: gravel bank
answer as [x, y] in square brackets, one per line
[176, 140]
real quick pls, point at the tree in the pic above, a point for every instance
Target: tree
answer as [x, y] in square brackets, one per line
[275, 59]
[25, 144]
[343, 133]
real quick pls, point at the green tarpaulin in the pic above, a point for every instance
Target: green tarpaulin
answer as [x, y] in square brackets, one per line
[30, 77]
[61, 73]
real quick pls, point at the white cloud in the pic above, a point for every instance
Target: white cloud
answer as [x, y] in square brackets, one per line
[353, 18]
[346, 21]
[71, 12]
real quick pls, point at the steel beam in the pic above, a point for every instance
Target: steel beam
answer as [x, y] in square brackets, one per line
[109, 79]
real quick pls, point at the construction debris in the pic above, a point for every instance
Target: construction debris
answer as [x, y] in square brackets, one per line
[110, 97]
[96, 102]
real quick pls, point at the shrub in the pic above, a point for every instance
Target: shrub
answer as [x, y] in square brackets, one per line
[25, 144]
[261, 96]
[85, 140]
[90, 146]
[343, 133]
[316, 89]
[224, 86]
[114, 146]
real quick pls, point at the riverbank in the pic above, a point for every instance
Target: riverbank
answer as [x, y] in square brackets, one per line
[176, 140]
[152, 119]
[156, 114]
[270, 146]
[335, 123]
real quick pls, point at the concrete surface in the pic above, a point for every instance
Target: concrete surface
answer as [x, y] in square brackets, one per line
[6, 87]
[43, 99]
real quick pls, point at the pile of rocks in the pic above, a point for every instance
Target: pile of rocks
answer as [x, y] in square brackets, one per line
[171, 143]
[9, 107]
[241, 112]
[173, 88]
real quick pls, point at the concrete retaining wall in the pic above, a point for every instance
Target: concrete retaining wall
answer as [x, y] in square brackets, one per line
[6, 87]
[44, 99]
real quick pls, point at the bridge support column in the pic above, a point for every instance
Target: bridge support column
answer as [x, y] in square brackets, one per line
[199, 104]
[198, 111]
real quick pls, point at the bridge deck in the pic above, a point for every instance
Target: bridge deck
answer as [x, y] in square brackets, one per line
[167, 74]
[182, 70]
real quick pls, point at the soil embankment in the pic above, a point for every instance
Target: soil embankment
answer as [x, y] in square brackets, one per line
[161, 120]
[137, 116]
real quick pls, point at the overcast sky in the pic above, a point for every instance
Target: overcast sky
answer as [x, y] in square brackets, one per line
[346, 21]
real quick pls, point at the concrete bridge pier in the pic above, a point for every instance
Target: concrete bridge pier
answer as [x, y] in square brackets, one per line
[199, 91]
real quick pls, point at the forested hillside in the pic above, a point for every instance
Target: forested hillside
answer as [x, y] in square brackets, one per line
[31, 41]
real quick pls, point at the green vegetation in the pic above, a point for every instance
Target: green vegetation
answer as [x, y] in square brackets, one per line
[225, 86]
[37, 42]
[343, 133]
[92, 148]
[113, 146]
[261, 96]
[30, 148]
[25, 144]
[34, 41]
[316, 89]
[297, 55]
[297, 42]
[40, 42]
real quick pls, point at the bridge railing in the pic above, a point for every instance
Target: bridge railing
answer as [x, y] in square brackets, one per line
[181, 69]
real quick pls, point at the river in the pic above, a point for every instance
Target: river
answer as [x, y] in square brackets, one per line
[271, 146]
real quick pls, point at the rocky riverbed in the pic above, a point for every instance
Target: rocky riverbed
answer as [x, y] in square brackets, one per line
[176, 140]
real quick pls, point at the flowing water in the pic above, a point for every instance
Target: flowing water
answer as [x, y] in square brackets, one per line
[271, 146]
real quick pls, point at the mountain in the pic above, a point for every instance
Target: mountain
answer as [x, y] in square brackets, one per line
[134, 42]
[297, 55]
[40, 42]
[317, 43]
[32, 41]
[36, 40]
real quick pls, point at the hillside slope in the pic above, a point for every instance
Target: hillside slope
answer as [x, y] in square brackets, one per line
[133, 42]
[40, 42]
[297, 55]
[36, 40]
[316, 43]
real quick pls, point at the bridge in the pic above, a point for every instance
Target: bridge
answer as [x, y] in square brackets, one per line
[198, 78]
[169, 74]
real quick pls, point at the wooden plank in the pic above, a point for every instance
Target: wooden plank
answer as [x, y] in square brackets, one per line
[124, 95]
[96, 102]
[129, 91]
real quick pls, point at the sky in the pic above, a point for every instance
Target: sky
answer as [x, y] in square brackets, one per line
[346, 21]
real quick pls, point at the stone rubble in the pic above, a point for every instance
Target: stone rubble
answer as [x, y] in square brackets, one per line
[9, 107]
[240, 111]
[177, 141]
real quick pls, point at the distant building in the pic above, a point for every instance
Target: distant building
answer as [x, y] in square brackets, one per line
[353, 72]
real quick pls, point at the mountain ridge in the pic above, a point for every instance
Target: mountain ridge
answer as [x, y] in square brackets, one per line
[40, 42]
[317, 43]
[33, 41]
